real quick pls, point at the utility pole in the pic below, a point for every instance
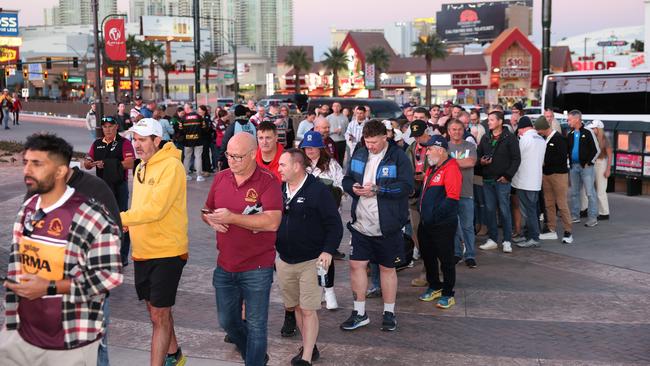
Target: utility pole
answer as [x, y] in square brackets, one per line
[546, 37]
[98, 80]
[197, 48]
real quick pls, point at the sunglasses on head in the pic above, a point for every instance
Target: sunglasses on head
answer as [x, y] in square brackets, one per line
[28, 226]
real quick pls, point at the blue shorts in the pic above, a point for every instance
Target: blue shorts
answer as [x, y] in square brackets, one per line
[383, 250]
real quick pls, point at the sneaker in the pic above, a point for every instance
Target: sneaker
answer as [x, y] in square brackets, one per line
[446, 302]
[603, 217]
[530, 243]
[489, 245]
[178, 359]
[188, 177]
[330, 300]
[584, 213]
[355, 321]
[374, 292]
[430, 295]
[457, 259]
[389, 323]
[507, 247]
[315, 355]
[471, 262]
[338, 255]
[200, 178]
[551, 235]
[289, 326]
[227, 339]
[518, 238]
[419, 282]
[575, 221]
[416, 254]
[591, 223]
[567, 238]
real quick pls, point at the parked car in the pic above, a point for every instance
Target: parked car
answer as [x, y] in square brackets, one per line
[379, 108]
[225, 102]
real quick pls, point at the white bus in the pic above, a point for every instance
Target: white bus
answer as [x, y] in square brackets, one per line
[607, 95]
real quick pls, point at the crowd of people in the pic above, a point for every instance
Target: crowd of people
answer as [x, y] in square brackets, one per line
[426, 186]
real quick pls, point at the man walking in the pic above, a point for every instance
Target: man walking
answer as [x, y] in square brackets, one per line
[64, 259]
[338, 125]
[583, 152]
[244, 207]
[380, 180]
[157, 223]
[355, 129]
[309, 235]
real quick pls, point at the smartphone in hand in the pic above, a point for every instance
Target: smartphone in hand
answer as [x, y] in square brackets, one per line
[206, 211]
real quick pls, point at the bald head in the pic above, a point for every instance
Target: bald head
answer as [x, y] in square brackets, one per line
[322, 126]
[241, 154]
[242, 141]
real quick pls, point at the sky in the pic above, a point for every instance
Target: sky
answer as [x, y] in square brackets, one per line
[314, 18]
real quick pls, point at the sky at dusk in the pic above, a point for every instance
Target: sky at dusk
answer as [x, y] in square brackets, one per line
[314, 18]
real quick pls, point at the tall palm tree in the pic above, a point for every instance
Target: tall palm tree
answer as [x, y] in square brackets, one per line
[133, 60]
[335, 60]
[167, 68]
[208, 59]
[297, 58]
[431, 48]
[379, 57]
[153, 52]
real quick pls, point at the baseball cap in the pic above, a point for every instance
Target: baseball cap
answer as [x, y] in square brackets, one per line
[109, 119]
[398, 134]
[524, 122]
[541, 123]
[596, 124]
[312, 139]
[138, 97]
[418, 128]
[147, 127]
[437, 140]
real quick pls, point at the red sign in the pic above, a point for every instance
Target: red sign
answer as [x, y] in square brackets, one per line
[466, 79]
[115, 39]
[591, 65]
[629, 163]
[8, 55]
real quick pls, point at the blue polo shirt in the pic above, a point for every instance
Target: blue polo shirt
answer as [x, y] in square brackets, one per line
[575, 156]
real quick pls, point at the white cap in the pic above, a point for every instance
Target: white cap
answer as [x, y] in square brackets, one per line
[398, 134]
[147, 127]
[388, 124]
[596, 124]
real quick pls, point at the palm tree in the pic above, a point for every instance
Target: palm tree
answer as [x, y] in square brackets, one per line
[335, 60]
[431, 48]
[297, 58]
[133, 50]
[379, 57]
[153, 52]
[208, 59]
[167, 68]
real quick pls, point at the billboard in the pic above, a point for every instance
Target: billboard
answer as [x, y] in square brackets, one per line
[471, 22]
[164, 28]
[9, 24]
[9, 55]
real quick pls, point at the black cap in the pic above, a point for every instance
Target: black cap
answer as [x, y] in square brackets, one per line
[518, 106]
[109, 119]
[524, 122]
[138, 97]
[241, 110]
[418, 128]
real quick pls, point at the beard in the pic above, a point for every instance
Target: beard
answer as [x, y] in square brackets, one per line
[40, 186]
[432, 162]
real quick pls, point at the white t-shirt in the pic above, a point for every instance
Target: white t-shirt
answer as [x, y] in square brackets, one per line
[367, 208]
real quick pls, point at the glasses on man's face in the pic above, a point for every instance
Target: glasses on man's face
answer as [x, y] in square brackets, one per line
[235, 158]
[28, 226]
[142, 170]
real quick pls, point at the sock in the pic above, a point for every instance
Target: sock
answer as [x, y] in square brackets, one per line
[329, 290]
[389, 308]
[360, 307]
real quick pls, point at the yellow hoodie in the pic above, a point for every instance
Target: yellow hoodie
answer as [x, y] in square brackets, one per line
[157, 220]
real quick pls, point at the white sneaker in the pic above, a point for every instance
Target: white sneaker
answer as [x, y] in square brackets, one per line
[416, 254]
[200, 178]
[489, 245]
[188, 177]
[551, 235]
[507, 247]
[330, 299]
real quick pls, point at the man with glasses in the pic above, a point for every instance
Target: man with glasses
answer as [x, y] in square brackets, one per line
[244, 207]
[157, 223]
[112, 156]
[64, 258]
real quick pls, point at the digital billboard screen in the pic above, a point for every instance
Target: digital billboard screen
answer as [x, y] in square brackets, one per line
[471, 22]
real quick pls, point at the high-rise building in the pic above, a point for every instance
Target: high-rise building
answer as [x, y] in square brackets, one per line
[51, 16]
[78, 12]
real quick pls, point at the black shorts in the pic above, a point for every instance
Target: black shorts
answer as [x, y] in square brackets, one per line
[383, 250]
[156, 280]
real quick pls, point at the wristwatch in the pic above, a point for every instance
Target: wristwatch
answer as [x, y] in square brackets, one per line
[51, 288]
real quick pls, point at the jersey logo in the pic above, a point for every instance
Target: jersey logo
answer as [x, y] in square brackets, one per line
[56, 227]
[251, 196]
[32, 263]
[151, 181]
[437, 178]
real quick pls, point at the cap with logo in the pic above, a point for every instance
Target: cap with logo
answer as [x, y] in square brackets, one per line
[437, 140]
[312, 139]
[147, 127]
[109, 119]
[138, 97]
[418, 128]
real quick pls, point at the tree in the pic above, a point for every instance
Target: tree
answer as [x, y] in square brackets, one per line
[431, 48]
[167, 68]
[379, 57]
[208, 59]
[153, 52]
[133, 60]
[335, 60]
[297, 58]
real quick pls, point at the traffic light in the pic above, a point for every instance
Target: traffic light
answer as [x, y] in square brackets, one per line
[75, 62]
[48, 63]
[65, 76]
[45, 75]
[25, 74]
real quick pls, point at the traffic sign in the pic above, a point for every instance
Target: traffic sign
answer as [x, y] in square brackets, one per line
[612, 43]
[228, 76]
[75, 79]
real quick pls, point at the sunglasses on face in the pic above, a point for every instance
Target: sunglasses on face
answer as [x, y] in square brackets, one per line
[28, 226]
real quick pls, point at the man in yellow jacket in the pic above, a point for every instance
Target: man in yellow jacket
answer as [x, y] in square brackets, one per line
[157, 223]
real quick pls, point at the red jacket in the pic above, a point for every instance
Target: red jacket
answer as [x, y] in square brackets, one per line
[274, 164]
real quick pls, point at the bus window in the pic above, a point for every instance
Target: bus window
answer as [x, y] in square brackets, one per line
[630, 142]
[622, 144]
[647, 144]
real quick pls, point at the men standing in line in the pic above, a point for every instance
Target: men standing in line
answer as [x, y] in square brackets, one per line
[500, 159]
[157, 223]
[528, 180]
[380, 180]
[439, 213]
[244, 207]
[269, 149]
[338, 126]
[583, 153]
[54, 313]
[309, 235]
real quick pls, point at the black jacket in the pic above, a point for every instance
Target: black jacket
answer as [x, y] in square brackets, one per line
[192, 128]
[588, 150]
[505, 155]
[555, 158]
[311, 223]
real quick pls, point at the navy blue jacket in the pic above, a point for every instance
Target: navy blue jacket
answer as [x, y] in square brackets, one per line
[311, 223]
[395, 181]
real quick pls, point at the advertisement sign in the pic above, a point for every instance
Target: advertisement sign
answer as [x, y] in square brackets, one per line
[115, 39]
[162, 28]
[463, 80]
[370, 76]
[482, 21]
[9, 24]
[8, 55]
[646, 165]
[629, 163]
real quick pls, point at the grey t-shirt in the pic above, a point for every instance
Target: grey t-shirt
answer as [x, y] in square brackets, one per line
[465, 150]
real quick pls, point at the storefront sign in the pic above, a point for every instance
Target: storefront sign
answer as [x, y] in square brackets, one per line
[369, 75]
[124, 85]
[9, 24]
[465, 79]
[8, 54]
[514, 74]
[591, 65]
[646, 165]
[11, 41]
[629, 163]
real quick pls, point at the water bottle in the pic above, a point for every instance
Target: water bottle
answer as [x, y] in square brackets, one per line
[322, 275]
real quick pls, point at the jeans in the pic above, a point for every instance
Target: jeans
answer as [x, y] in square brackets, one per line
[583, 177]
[16, 117]
[196, 152]
[254, 288]
[465, 231]
[498, 193]
[122, 196]
[102, 351]
[479, 205]
[437, 249]
[5, 117]
[529, 202]
[215, 155]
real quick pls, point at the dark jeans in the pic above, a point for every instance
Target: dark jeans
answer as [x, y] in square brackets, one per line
[465, 231]
[215, 155]
[528, 200]
[340, 151]
[254, 288]
[498, 194]
[102, 351]
[479, 205]
[121, 192]
[206, 160]
[16, 117]
[437, 248]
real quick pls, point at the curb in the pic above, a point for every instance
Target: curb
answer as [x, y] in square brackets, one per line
[55, 120]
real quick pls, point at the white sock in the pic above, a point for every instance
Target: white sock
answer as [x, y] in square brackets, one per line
[360, 307]
[329, 290]
[389, 308]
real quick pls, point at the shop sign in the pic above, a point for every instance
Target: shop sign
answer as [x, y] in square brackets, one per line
[370, 76]
[515, 68]
[465, 79]
[514, 92]
[8, 54]
[591, 65]
[629, 163]
[646, 165]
